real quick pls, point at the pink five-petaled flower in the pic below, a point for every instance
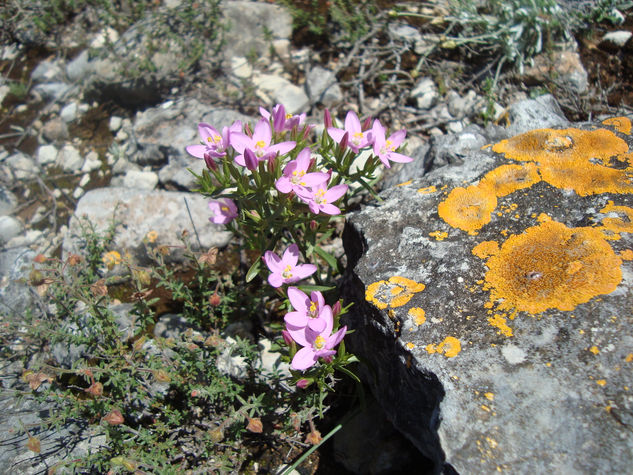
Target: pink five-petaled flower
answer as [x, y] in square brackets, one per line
[259, 144]
[284, 270]
[307, 310]
[295, 177]
[320, 198]
[315, 344]
[384, 149]
[356, 137]
[281, 120]
[224, 211]
[213, 144]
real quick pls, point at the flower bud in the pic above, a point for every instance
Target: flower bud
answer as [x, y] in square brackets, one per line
[344, 140]
[314, 225]
[336, 308]
[303, 383]
[327, 118]
[250, 159]
[210, 162]
[215, 300]
[73, 260]
[287, 338]
[366, 124]
[95, 389]
[40, 258]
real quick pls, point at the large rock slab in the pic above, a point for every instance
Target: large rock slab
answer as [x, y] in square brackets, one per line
[137, 212]
[492, 304]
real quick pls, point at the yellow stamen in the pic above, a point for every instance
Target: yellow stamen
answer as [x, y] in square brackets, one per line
[319, 342]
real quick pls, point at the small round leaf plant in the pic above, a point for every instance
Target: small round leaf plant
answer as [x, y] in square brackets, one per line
[279, 189]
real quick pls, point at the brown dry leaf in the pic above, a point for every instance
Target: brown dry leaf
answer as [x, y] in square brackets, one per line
[114, 417]
[255, 425]
[314, 437]
[99, 289]
[33, 444]
[35, 380]
[209, 257]
[95, 389]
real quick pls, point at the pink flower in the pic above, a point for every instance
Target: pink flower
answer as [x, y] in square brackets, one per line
[357, 139]
[320, 198]
[281, 120]
[307, 310]
[295, 177]
[315, 344]
[285, 270]
[224, 211]
[384, 149]
[259, 144]
[214, 144]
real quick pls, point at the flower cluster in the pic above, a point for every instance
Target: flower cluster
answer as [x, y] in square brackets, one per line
[276, 188]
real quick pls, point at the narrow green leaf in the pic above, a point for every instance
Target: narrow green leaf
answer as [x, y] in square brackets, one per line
[254, 270]
[331, 260]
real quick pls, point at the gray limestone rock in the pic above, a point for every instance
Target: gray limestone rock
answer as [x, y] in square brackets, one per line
[8, 201]
[322, 86]
[530, 114]
[493, 314]
[137, 212]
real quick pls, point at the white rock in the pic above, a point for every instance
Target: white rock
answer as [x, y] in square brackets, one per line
[617, 38]
[69, 112]
[70, 159]
[78, 193]
[10, 227]
[22, 166]
[241, 68]
[104, 36]
[283, 92]
[46, 154]
[85, 179]
[140, 180]
[115, 123]
[425, 93]
[92, 162]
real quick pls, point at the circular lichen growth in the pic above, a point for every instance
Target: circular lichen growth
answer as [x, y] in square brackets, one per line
[574, 159]
[507, 179]
[469, 208]
[552, 266]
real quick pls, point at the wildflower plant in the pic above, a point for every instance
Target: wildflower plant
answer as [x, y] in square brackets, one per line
[280, 191]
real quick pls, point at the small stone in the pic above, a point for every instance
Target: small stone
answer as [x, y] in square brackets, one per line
[115, 123]
[55, 130]
[70, 159]
[92, 162]
[8, 201]
[615, 39]
[10, 227]
[78, 193]
[241, 68]
[425, 93]
[84, 180]
[79, 67]
[46, 154]
[103, 37]
[46, 71]
[22, 166]
[69, 112]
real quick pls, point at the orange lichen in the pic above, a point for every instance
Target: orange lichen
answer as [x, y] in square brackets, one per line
[629, 358]
[410, 346]
[428, 190]
[621, 124]
[530, 271]
[405, 183]
[601, 382]
[439, 235]
[394, 293]
[567, 158]
[507, 179]
[418, 315]
[485, 249]
[594, 349]
[468, 209]
[626, 255]
[489, 396]
[450, 347]
[499, 322]
[618, 225]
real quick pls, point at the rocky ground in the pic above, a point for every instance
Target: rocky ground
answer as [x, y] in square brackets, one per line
[93, 108]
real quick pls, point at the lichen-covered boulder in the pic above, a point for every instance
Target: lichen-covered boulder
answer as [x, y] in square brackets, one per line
[493, 304]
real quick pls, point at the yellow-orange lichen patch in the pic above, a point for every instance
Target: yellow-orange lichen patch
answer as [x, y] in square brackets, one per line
[530, 271]
[587, 178]
[428, 190]
[405, 183]
[618, 225]
[626, 255]
[499, 322]
[395, 292]
[594, 349]
[507, 179]
[418, 315]
[621, 124]
[468, 209]
[485, 249]
[450, 347]
[567, 158]
[439, 235]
